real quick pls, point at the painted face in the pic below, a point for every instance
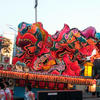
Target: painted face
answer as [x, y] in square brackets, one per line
[19, 68]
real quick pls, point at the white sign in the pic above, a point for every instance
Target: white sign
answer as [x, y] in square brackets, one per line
[52, 93]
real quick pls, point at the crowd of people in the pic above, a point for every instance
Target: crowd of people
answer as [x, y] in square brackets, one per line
[7, 94]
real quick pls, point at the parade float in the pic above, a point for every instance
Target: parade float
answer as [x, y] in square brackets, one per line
[53, 61]
[6, 49]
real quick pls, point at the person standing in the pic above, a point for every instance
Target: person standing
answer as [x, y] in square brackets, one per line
[2, 92]
[29, 95]
[8, 91]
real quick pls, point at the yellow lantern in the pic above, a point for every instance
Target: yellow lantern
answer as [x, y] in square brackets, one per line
[70, 86]
[92, 88]
[88, 69]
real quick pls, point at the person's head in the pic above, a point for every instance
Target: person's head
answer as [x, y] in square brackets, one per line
[28, 87]
[1, 86]
[6, 84]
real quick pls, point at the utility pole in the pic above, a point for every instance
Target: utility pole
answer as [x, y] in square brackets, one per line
[13, 52]
[36, 3]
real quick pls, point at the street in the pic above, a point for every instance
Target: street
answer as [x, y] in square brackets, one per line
[91, 98]
[88, 96]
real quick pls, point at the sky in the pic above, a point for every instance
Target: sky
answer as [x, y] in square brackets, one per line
[52, 13]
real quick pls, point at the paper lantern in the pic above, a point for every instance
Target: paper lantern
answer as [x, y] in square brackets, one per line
[33, 83]
[61, 86]
[51, 85]
[41, 84]
[88, 69]
[92, 88]
[70, 86]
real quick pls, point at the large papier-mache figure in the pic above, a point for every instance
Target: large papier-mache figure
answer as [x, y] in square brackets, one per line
[58, 54]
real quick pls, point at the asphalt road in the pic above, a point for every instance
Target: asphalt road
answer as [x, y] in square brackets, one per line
[92, 98]
[88, 96]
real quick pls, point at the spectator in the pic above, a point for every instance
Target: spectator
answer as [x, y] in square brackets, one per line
[29, 95]
[8, 91]
[2, 93]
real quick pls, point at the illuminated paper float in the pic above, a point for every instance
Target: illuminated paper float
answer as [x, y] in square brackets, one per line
[58, 54]
[53, 60]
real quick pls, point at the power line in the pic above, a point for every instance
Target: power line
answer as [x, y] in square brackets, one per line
[12, 27]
